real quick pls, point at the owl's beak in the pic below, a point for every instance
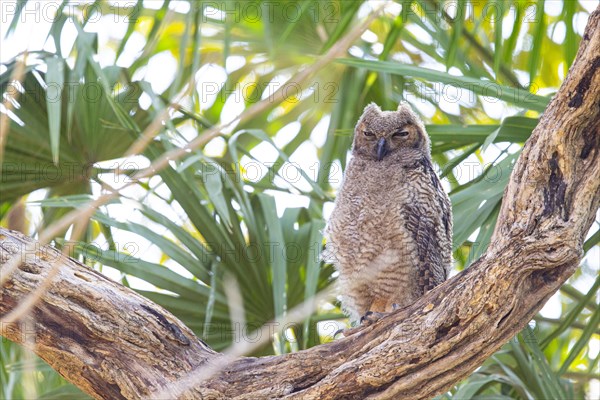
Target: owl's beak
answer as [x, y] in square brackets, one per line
[381, 149]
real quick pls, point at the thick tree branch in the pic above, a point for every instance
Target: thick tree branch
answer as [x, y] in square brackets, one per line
[115, 344]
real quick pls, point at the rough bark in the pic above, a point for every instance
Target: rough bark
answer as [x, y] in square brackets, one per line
[115, 344]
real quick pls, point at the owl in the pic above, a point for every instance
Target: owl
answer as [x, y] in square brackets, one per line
[390, 232]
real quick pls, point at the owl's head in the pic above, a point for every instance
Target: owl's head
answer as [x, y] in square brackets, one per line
[383, 135]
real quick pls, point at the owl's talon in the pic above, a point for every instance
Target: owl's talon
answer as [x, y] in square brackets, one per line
[364, 317]
[395, 306]
[347, 332]
[371, 317]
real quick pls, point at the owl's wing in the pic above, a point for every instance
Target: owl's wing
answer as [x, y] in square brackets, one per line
[429, 221]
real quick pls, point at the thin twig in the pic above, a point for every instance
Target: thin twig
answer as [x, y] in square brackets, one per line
[17, 76]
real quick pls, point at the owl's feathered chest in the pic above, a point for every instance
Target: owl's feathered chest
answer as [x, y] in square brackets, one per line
[371, 204]
[378, 190]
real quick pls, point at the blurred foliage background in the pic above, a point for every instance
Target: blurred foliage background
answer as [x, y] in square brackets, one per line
[229, 234]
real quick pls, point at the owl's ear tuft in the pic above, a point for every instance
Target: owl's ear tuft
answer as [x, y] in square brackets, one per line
[404, 106]
[406, 109]
[371, 110]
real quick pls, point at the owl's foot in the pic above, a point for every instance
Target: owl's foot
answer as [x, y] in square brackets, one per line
[366, 320]
[371, 317]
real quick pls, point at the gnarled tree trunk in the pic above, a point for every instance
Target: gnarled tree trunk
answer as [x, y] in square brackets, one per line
[113, 343]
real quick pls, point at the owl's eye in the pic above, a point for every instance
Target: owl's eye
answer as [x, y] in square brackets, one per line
[367, 133]
[400, 134]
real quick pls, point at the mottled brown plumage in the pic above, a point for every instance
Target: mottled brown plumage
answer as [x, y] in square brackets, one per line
[390, 233]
